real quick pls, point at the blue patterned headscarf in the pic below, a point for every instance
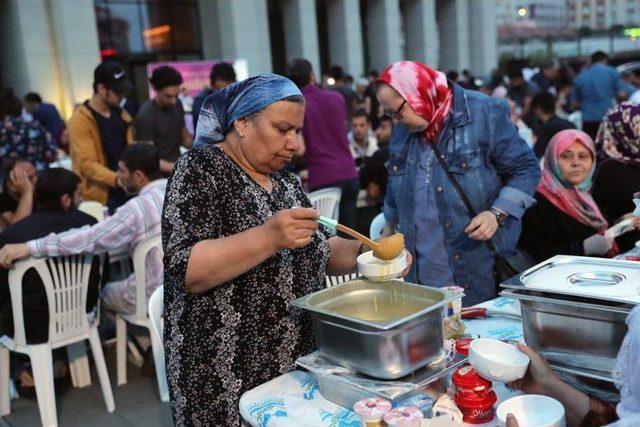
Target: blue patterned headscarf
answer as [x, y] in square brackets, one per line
[238, 100]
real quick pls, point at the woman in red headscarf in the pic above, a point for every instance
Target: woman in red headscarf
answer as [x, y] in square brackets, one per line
[447, 137]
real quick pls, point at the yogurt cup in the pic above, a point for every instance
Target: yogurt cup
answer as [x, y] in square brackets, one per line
[371, 411]
[404, 416]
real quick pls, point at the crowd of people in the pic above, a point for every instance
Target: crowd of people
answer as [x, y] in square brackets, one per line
[483, 176]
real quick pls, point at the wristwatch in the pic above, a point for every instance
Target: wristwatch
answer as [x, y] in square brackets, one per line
[501, 216]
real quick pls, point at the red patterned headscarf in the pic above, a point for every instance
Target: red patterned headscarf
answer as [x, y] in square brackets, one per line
[426, 90]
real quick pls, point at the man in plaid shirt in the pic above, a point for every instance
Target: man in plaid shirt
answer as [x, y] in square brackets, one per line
[135, 221]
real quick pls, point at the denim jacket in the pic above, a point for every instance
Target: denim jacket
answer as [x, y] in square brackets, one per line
[493, 165]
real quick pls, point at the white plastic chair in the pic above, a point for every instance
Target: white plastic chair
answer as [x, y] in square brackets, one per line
[156, 311]
[65, 280]
[336, 280]
[93, 208]
[327, 201]
[140, 317]
[376, 228]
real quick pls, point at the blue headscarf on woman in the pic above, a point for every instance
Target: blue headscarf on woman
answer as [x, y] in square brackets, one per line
[238, 100]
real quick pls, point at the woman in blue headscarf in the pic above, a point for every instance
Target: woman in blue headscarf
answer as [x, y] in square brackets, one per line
[241, 241]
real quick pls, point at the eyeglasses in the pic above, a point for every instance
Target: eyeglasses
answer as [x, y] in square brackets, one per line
[396, 114]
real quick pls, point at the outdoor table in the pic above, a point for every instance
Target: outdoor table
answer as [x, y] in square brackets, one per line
[293, 399]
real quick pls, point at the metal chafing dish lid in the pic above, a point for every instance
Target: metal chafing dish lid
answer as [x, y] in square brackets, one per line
[597, 278]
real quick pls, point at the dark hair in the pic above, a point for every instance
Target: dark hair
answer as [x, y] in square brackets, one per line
[7, 166]
[337, 72]
[373, 73]
[636, 72]
[33, 97]
[10, 104]
[360, 112]
[385, 118]
[544, 101]
[599, 56]
[222, 71]
[165, 76]
[299, 71]
[143, 157]
[452, 75]
[52, 185]
[515, 73]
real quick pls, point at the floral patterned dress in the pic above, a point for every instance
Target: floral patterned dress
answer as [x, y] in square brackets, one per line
[241, 334]
[26, 140]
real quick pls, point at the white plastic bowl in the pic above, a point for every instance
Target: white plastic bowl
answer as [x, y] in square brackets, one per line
[497, 361]
[532, 410]
[377, 269]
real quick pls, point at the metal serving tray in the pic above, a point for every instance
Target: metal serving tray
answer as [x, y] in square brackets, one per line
[594, 278]
[345, 388]
[383, 329]
[582, 333]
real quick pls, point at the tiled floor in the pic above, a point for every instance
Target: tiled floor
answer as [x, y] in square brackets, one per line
[137, 404]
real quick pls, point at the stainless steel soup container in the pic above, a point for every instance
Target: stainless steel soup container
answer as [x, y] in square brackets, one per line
[382, 329]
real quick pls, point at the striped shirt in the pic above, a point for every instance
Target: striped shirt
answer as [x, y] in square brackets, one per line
[135, 221]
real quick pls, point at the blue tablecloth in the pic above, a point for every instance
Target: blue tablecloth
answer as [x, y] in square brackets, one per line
[294, 400]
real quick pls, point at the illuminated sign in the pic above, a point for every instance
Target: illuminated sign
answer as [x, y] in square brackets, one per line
[632, 32]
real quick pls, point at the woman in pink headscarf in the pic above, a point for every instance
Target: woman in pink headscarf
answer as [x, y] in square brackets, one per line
[566, 220]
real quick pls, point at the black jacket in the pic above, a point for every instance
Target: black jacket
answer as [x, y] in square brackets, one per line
[547, 231]
[613, 187]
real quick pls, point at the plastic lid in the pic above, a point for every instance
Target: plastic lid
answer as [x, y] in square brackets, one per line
[466, 401]
[404, 416]
[467, 377]
[371, 409]
[462, 346]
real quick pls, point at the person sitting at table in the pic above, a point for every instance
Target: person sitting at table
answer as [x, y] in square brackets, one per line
[18, 184]
[617, 178]
[135, 221]
[241, 241]
[566, 220]
[581, 409]
[22, 138]
[57, 195]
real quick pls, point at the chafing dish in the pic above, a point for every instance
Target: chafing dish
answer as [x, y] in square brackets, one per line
[594, 278]
[572, 331]
[574, 308]
[382, 329]
[594, 383]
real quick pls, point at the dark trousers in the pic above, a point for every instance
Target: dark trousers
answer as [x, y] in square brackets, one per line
[348, 212]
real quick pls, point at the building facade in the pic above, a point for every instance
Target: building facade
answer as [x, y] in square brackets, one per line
[603, 14]
[52, 46]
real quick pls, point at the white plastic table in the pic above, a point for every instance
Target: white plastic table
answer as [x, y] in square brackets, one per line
[294, 400]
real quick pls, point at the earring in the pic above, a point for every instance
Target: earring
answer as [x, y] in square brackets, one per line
[241, 134]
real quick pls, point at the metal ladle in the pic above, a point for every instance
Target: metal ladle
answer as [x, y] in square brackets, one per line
[386, 249]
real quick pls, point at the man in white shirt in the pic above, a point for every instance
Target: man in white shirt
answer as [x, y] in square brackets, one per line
[135, 221]
[362, 142]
